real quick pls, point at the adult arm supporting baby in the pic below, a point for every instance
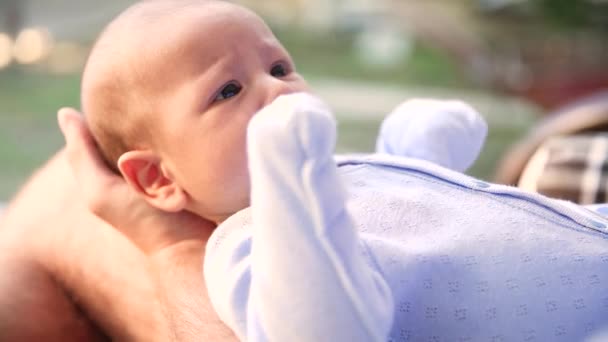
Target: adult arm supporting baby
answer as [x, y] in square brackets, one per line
[298, 274]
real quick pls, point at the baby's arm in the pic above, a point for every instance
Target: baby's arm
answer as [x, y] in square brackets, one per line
[449, 133]
[305, 279]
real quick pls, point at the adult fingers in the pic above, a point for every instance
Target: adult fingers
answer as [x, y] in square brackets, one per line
[90, 171]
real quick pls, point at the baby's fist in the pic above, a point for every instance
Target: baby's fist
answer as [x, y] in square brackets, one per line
[292, 125]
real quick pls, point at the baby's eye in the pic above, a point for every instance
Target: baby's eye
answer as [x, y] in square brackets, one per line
[278, 70]
[229, 90]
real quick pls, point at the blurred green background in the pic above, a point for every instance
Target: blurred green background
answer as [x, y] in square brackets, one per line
[363, 57]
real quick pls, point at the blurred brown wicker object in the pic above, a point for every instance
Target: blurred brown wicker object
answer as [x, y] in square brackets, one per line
[588, 115]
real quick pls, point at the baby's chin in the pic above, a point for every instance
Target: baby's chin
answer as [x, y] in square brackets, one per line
[220, 214]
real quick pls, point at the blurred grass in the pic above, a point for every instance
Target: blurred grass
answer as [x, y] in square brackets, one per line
[29, 94]
[334, 57]
[28, 129]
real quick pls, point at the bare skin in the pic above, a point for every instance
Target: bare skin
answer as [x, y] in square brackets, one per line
[69, 276]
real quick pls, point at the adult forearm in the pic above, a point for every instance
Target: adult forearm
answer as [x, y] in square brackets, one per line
[33, 306]
[54, 253]
[179, 275]
[31, 204]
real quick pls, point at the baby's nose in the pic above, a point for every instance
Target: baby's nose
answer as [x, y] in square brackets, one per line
[278, 87]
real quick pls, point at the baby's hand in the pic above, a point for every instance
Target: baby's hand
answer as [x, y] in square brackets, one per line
[450, 133]
[290, 147]
[295, 127]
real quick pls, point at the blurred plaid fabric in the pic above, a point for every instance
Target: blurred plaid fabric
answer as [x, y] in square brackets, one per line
[572, 167]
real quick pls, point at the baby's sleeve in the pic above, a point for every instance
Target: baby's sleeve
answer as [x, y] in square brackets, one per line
[297, 274]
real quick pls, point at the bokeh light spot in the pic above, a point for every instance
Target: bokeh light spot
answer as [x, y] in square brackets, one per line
[6, 50]
[32, 45]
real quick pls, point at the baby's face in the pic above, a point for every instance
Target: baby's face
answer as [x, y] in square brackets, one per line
[224, 66]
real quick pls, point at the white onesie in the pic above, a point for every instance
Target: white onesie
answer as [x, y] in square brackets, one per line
[394, 249]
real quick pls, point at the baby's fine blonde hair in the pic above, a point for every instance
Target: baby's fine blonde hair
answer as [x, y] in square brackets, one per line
[118, 90]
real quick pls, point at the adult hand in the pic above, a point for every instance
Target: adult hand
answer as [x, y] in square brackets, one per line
[109, 197]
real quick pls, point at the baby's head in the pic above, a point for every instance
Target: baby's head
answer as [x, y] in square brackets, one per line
[168, 91]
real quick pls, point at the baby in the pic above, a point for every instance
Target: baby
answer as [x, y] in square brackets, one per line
[169, 91]
[379, 248]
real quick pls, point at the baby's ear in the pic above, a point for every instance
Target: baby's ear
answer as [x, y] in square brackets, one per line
[143, 172]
